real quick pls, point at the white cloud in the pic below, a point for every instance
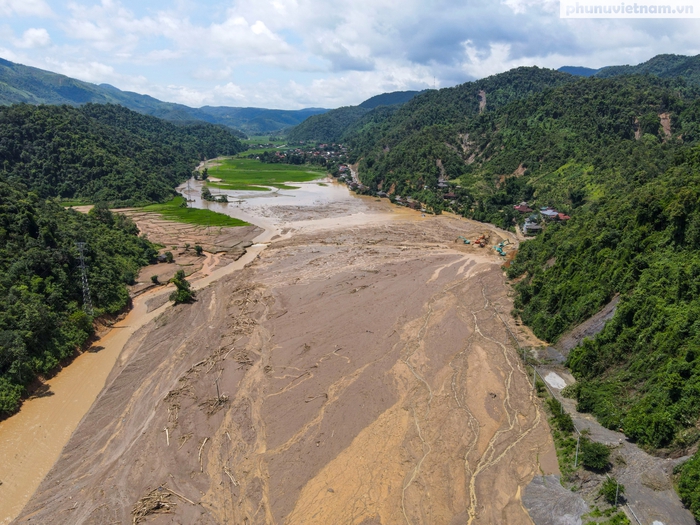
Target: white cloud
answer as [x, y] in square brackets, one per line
[8, 55]
[236, 38]
[297, 53]
[480, 65]
[33, 38]
[25, 8]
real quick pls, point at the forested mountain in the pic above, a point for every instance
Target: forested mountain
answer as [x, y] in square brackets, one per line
[103, 152]
[404, 148]
[258, 121]
[337, 124]
[41, 320]
[24, 84]
[663, 66]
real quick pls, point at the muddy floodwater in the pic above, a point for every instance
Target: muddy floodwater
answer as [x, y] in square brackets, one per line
[355, 366]
[313, 205]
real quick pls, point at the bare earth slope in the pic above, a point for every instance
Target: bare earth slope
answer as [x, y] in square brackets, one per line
[365, 378]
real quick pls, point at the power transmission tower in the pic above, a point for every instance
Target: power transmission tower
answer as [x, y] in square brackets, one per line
[87, 301]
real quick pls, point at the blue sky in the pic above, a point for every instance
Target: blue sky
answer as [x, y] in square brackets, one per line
[325, 53]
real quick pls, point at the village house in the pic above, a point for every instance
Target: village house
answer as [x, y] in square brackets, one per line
[531, 227]
[523, 208]
[549, 214]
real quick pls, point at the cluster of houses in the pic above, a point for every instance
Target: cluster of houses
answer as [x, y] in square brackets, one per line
[533, 224]
[329, 152]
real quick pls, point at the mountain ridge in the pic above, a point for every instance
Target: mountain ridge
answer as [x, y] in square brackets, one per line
[27, 84]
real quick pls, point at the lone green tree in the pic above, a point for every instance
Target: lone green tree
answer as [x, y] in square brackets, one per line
[198, 249]
[594, 455]
[183, 292]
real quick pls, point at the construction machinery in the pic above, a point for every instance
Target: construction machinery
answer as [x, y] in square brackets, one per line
[466, 241]
[481, 241]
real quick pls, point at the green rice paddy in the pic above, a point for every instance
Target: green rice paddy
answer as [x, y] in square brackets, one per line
[250, 174]
[174, 211]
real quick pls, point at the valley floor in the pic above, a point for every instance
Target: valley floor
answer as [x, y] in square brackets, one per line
[354, 374]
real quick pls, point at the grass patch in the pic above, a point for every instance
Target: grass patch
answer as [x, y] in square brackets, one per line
[174, 211]
[247, 174]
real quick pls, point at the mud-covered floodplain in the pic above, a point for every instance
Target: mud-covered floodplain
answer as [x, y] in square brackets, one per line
[360, 370]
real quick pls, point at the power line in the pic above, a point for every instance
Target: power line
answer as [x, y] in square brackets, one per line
[87, 301]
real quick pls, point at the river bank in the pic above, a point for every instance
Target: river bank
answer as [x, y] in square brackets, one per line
[31, 440]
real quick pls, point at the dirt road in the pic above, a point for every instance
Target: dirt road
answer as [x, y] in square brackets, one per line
[363, 377]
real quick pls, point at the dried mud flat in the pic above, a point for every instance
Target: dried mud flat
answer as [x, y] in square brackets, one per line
[214, 239]
[365, 375]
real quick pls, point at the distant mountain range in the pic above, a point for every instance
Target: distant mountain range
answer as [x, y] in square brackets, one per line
[30, 85]
[19, 83]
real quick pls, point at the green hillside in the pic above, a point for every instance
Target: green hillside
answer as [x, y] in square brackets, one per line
[329, 127]
[41, 316]
[389, 99]
[24, 84]
[404, 149]
[103, 152]
[578, 71]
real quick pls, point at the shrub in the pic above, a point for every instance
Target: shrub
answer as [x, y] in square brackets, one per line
[594, 455]
[183, 293]
[611, 491]
[561, 419]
